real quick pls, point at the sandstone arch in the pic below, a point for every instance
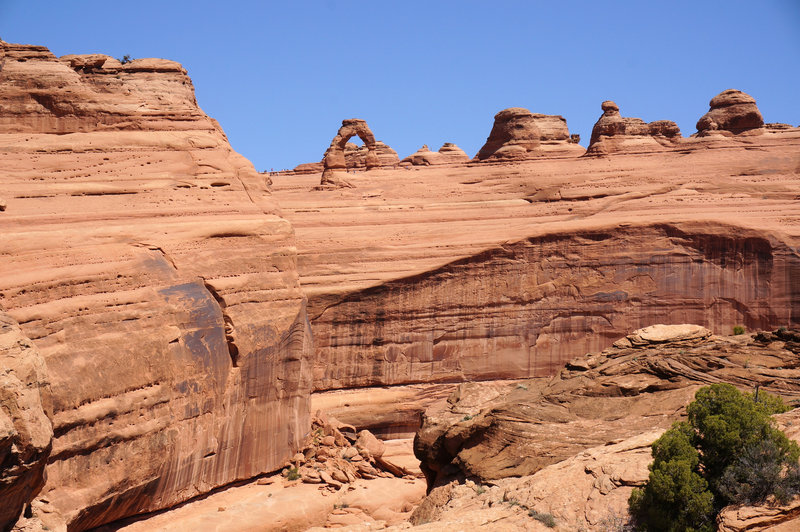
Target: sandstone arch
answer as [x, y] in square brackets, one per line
[334, 156]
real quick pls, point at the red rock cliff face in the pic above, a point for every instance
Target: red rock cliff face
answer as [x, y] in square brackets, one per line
[524, 309]
[146, 261]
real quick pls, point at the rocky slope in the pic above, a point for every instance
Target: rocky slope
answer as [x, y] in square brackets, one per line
[574, 445]
[147, 264]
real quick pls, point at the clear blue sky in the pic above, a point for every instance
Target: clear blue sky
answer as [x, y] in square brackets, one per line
[280, 76]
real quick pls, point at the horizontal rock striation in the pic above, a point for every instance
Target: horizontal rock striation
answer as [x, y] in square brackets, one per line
[523, 309]
[148, 264]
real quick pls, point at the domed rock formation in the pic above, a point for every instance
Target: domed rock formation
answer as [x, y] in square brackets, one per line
[732, 113]
[615, 133]
[336, 155]
[447, 154]
[519, 134]
[356, 156]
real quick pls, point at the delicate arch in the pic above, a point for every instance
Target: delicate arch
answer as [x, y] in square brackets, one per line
[334, 156]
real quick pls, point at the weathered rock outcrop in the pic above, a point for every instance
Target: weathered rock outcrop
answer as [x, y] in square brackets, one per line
[732, 113]
[148, 264]
[590, 426]
[449, 153]
[25, 430]
[613, 133]
[518, 134]
[372, 155]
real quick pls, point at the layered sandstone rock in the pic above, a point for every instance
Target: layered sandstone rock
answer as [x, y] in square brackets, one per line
[519, 134]
[613, 133]
[449, 153]
[342, 155]
[25, 429]
[147, 263]
[575, 445]
[521, 309]
[732, 113]
[453, 273]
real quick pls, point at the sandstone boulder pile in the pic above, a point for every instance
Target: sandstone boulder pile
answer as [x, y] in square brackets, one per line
[335, 454]
[614, 133]
[731, 112]
[518, 134]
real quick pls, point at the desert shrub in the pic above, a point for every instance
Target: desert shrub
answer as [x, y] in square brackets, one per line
[293, 474]
[543, 517]
[738, 330]
[126, 59]
[729, 452]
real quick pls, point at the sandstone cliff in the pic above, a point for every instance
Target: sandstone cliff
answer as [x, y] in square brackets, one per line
[479, 272]
[147, 263]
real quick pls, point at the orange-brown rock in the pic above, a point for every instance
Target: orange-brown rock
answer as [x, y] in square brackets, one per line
[147, 263]
[732, 113]
[613, 133]
[453, 273]
[518, 134]
[25, 429]
[372, 155]
[449, 153]
[579, 442]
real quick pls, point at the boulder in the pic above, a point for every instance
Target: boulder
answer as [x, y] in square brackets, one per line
[731, 112]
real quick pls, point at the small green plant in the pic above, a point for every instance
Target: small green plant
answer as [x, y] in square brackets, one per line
[467, 418]
[480, 490]
[341, 505]
[521, 387]
[126, 59]
[545, 518]
[293, 474]
[738, 330]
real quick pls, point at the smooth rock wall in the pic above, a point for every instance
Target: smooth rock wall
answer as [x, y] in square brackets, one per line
[524, 309]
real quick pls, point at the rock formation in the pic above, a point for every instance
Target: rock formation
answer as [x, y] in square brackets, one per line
[372, 155]
[25, 429]
[590, 426]
[519, 134]
[146, 262]
[482, 272]
[449, 153]
[732, 113]
[613, 133]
